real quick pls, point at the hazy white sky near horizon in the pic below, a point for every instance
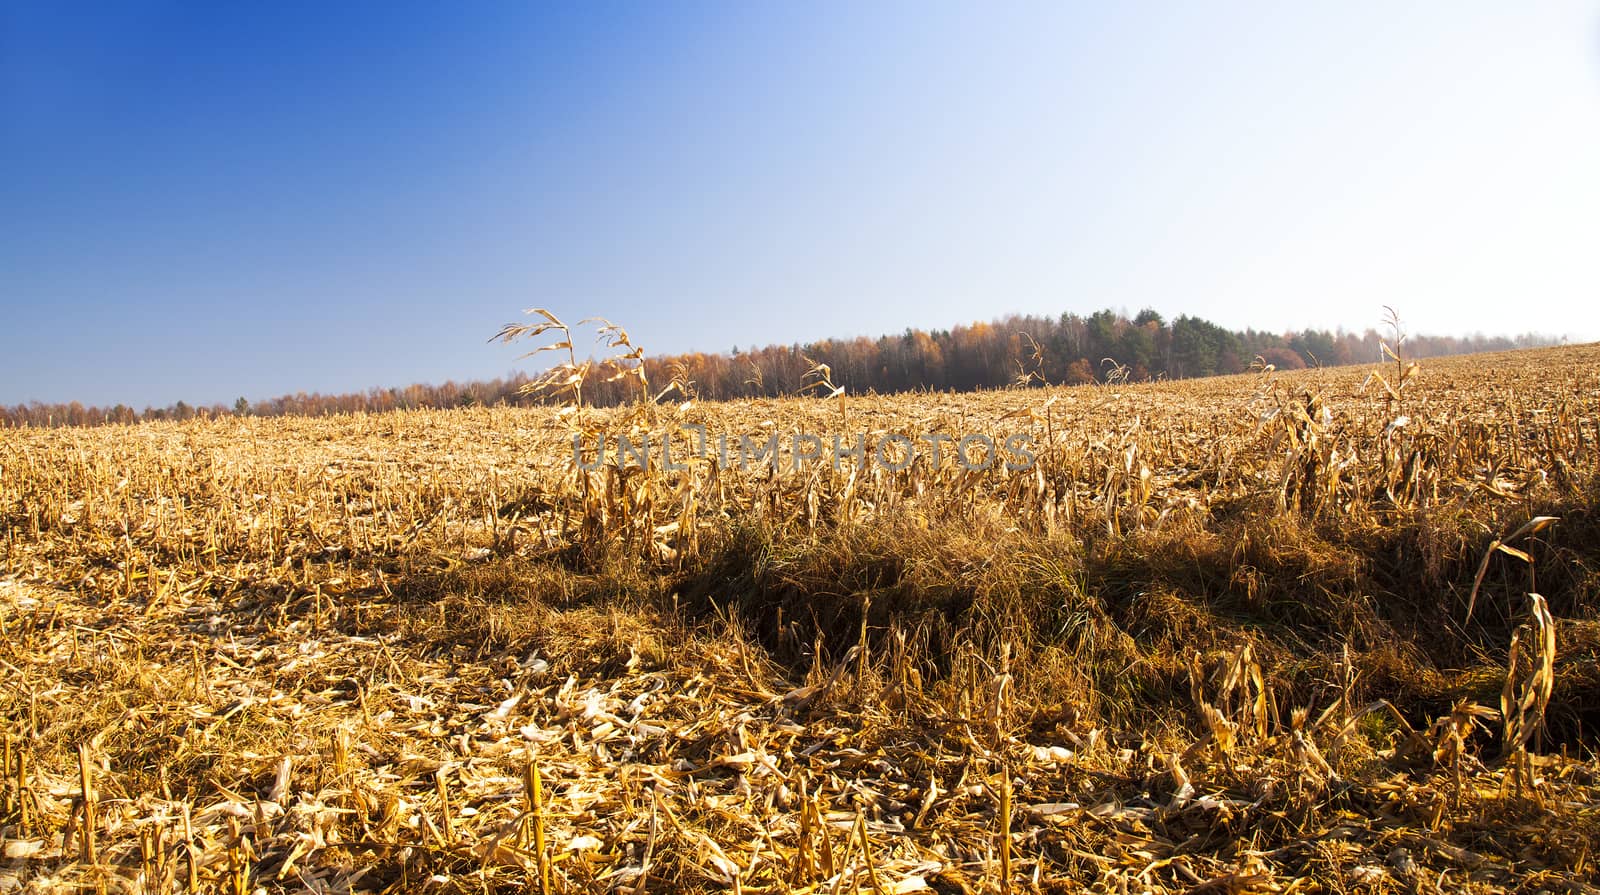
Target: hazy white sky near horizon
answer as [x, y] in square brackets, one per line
[202, 204]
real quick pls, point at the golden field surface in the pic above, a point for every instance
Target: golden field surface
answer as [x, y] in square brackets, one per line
[1310, 632]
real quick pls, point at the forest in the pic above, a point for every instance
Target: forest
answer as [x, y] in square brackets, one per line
[1015, 350]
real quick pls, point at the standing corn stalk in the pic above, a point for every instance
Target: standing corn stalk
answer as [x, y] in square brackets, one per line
[616, 337]
[821, 376]
[1403, 371]
[1530, 679]
[566, 377]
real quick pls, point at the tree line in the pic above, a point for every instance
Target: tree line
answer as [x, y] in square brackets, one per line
[1017, 350]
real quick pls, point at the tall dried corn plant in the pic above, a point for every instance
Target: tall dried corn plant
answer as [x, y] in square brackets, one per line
[1503, 545]
[564, 379]
[819, 379]
[628, 362]
[1530, 679]
[629, 500]
[1392, 349]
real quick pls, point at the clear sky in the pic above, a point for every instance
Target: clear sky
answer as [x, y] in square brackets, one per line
[205, 200]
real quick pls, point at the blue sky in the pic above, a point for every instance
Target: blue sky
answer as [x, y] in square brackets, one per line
[200, 201]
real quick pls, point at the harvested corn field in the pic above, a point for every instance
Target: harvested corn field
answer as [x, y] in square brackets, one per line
[1319, 631]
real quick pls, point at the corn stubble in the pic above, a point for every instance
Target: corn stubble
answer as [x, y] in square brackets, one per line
[1273, 632]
